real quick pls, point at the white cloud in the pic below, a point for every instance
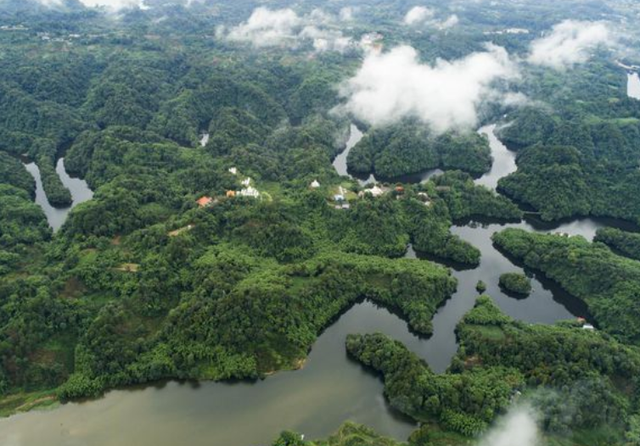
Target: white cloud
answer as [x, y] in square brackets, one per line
[395, 85]
[114, 5]
[421, 15]
[110, 5]
[325, 39]
[346, 14]
[418, 15]
[268, 27]
[517, 428]
[450, 22]
[569, 43]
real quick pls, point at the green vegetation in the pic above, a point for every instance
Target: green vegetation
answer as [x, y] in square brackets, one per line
[516, 283]
[607, 283]
[582, 158]
[142, 283]
[464, 199]
[393, 151]
[462, 402]
[563, 371]
[568, 370]
[57, 194]
[625, 243]
[349, 433]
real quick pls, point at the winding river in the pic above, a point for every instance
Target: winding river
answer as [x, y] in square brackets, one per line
[330, 389]
[79, 189]
[340, 164]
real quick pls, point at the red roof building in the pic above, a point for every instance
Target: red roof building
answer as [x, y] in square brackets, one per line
[204, 201]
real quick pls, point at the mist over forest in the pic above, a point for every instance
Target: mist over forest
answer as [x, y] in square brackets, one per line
[320, 223]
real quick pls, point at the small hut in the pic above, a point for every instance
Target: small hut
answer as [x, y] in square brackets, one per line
[204, 201]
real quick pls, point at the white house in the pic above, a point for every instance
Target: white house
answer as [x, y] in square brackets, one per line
[233, 170]
[246, 182]
[315, 184]
[375, 191]
[249, 192]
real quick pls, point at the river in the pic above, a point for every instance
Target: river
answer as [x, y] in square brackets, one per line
[79, 189]
[340, 164]
[330, 389]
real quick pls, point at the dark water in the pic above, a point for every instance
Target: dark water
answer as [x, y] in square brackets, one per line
[547, 303]
[79, 189]
[330, 389]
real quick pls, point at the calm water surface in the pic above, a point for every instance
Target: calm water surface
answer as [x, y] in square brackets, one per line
[315, 401]
[330, 389]
[79, 189]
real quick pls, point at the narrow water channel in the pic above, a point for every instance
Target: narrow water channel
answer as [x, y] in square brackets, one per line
[340, 164]
[330, 389]
[80, 192]
[504, 160]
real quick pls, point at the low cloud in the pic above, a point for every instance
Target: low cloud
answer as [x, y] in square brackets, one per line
[268, 27]
[423, 16]
[347, 13]
[517, 428]
[111, 5]
[418, 15]
[450, 22]
[570, 42]
[395, 85]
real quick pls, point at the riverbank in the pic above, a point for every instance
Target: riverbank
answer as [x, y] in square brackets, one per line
[25, 402]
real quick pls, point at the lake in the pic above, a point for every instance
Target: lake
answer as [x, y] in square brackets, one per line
[330, 389]
[79, 189]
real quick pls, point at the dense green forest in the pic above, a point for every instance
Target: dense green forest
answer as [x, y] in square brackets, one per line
[226, 259]
[563, 371]
[393, 151]
[608, 283]
[582, 158]
[622, 242]
[516, 283]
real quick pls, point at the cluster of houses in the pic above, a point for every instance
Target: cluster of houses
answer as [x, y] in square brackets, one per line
[247, 190]
[340, 197]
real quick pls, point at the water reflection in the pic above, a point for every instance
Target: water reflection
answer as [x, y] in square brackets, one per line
[504, 160]
[315, 401]
[79, 189]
